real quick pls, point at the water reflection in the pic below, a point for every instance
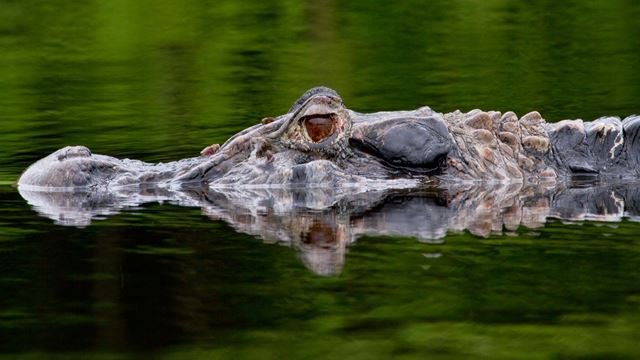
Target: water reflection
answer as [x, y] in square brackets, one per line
[321, 223]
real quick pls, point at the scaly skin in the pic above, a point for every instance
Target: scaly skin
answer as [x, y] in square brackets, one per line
[384, 149]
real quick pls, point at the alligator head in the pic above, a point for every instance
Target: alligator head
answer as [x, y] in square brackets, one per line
[320, 142]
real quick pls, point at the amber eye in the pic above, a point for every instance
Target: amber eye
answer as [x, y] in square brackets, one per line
[318, 127]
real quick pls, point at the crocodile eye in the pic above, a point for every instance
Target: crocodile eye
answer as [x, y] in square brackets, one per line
[318, 127]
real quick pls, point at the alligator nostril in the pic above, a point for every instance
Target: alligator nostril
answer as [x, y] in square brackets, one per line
[318, 128]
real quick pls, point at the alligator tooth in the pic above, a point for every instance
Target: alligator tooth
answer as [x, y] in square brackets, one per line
[479, 120]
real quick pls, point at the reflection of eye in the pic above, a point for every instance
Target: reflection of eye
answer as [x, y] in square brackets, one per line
[320, 235]
[318, 127]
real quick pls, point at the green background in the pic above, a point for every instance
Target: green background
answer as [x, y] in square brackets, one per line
[159, 80]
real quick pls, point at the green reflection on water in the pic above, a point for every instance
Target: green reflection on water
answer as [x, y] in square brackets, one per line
[159, 80]
[206, 291]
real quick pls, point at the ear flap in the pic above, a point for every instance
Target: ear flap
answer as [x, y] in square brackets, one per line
[417, 143]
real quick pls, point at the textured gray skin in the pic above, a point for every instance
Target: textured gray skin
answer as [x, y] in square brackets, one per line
[371, 149]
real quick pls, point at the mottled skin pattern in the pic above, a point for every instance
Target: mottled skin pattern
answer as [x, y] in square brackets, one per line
[393, 149]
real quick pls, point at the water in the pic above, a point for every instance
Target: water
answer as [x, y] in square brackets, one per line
[160, 80]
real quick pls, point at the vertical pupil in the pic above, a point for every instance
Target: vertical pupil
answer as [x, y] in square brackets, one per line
[319, 128]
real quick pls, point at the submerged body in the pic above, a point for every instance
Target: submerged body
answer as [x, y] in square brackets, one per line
[319, 142]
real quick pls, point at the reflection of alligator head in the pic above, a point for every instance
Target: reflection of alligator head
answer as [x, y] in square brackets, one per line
[319, 142]
[321, 222]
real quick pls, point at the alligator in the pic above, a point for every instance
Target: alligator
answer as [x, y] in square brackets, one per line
[321, 143]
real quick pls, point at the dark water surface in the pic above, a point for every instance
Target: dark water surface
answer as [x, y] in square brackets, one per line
[159, 80]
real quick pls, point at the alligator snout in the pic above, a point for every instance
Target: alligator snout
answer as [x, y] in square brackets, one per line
[71, 166]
